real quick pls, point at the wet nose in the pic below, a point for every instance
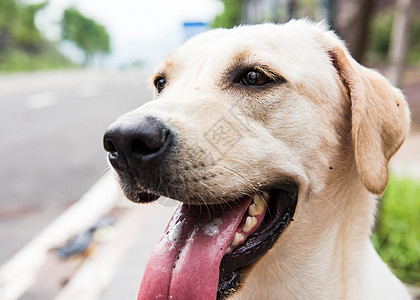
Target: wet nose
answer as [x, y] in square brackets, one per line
[136, 142]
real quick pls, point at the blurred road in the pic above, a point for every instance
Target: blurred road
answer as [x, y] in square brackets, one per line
[51, 127]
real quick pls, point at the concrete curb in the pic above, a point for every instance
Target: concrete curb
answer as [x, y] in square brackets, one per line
[18, 274]
[115, 268]
[90, 280]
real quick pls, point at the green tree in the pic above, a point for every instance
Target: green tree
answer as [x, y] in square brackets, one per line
[231, 16]
[17, 27]
[25, 33]
[8, 12]
[22, 46]
[91, 37]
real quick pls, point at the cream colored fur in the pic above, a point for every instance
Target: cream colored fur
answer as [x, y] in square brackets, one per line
[332, 128]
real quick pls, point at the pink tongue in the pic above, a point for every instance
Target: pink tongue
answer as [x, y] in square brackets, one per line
[185, 263]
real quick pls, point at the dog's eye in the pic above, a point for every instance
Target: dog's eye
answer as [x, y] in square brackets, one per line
[254, 78]
[160, 83]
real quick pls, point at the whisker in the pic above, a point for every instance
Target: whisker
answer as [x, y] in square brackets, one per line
[160, 183]
[105, 171]
[251, 290]
[341, 213]
[246, 181]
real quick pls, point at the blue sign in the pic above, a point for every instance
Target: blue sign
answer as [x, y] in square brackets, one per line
[193, 28]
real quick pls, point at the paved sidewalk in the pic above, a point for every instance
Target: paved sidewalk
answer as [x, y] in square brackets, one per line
[126, 282]
[115, 269]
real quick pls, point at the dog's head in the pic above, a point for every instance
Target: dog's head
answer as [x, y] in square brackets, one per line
[247, 125]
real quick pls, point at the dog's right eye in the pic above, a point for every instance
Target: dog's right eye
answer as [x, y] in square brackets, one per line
[257, 77]
[160, 83]
[254, 78]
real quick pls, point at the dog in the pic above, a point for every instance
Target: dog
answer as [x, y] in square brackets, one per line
[276, 143]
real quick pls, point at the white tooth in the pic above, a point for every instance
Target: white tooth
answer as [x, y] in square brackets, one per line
[250, 223]
[239, 237]
[228, 249]
[257, 207]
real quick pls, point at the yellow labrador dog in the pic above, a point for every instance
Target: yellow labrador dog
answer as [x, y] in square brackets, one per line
[275, 141]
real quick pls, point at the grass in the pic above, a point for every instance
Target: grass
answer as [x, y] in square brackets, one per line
[397, 234]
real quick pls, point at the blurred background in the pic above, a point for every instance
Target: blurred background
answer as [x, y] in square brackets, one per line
[68, 68]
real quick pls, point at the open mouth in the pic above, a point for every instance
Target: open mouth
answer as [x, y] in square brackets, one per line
[206, 248]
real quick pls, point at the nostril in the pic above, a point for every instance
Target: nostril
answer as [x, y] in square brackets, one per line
[110, 147]
[148, 145]
[139, 147]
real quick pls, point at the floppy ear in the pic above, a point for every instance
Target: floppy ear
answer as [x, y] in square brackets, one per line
[380, 118]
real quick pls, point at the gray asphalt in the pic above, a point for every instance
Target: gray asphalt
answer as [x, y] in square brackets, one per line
[51, 127]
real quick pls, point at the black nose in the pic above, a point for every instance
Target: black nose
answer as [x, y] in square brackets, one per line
[136, 142]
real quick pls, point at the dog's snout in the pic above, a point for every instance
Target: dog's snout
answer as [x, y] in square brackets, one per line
[136, 141]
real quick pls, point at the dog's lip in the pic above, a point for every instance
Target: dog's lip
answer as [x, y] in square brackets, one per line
[147, 196]
[281, 208]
